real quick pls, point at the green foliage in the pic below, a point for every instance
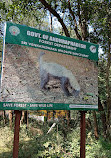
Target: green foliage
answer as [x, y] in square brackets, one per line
[24, 12]
[34, 144]
[102, 78]
[101, 22]
[98, 149]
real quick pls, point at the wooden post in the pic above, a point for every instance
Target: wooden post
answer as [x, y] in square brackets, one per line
[82, 134]
[16, 133]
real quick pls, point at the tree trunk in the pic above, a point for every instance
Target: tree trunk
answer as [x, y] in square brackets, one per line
[108, 89]
[24, 118]
[68, 121]
[48, 6]
[103, 117]
[95, 125]
[51, 28]
[10, 119]
[48, 112]
[4, 118]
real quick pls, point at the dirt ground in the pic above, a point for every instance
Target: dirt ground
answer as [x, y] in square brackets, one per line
[21, 79]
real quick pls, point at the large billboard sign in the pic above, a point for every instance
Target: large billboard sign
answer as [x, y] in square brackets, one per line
[42, 70]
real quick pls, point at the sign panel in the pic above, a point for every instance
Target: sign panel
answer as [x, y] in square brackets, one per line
[42, 70]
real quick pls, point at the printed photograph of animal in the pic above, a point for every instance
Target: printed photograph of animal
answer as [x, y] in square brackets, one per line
[40, 76]
[50, 70]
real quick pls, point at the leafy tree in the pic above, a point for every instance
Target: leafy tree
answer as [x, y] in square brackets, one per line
[102, 29]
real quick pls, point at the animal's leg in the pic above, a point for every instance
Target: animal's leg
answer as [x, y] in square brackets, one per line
[44, 80]
[76, 93]
[64, 85]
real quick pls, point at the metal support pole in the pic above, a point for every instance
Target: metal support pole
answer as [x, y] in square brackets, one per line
[16, 133]
[83, 134]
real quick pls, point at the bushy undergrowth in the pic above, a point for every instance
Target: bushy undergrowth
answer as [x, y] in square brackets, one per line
[98, 148]
[61, 142]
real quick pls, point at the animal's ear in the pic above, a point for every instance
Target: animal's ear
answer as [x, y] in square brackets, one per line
[42, 53]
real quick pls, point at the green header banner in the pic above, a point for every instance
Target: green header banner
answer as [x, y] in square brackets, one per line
[31, 37]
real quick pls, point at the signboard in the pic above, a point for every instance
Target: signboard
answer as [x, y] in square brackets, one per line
[42, 70]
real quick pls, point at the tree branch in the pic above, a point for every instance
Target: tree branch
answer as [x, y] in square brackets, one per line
[80, 22]
[48, 6]
[75, 23]
[83, 24]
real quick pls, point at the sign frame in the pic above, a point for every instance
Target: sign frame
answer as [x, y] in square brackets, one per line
[51, 42]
